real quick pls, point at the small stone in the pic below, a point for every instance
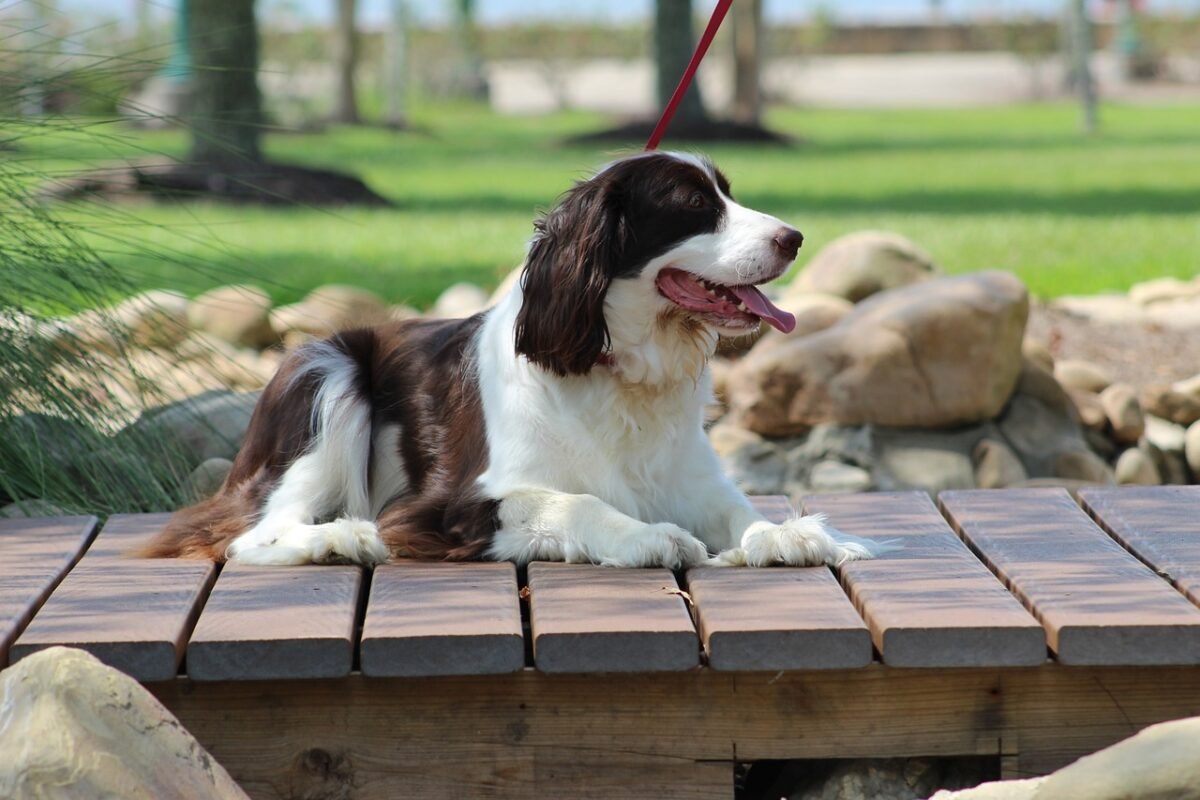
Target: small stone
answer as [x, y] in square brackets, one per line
[206, 479]
[829, 477]
[1038, 353]
[997, 466]
[756, 467]
[1123, 412]
[1162, 290]
[1135, 467]
[1083, 465]
[1192, 448]
[459, 301]
[239, 315]
[1171, 404]
[720, 368]
[1171, 466]
[725, 438]
[1078, 374]
[934, 470]
[1166, 436]
[328, 309]
[1188, 386]
[1110, 309]
[1089, 409]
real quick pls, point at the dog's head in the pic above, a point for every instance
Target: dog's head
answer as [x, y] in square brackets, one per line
[655, 239]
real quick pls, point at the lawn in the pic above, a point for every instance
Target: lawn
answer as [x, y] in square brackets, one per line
[1014, 188]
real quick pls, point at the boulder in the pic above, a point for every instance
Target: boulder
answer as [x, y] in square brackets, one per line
[946, 352]
[861, 264]
[1075, 373]
[1123, 412]
[996, 465]
[1171, 404]
[206, 479]
[756, 465]
[459, 301]
[73, 727]
[240, 315]
[1038, 433]
[1135, 467]
[209, 425]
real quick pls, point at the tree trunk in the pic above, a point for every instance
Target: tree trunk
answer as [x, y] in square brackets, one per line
[747, 61]
[469, 80]
[396, 83]
[226, 108]
[345, 47]
[1081, 72]
[674, 42]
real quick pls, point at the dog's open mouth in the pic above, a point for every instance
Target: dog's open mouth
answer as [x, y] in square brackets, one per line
[726, 306]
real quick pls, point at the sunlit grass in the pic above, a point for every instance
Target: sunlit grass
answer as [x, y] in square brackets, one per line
[1013, 188]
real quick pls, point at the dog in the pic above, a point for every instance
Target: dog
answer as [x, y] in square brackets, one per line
[563, 424]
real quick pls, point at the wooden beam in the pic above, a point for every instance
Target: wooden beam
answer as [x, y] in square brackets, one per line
[653, 735]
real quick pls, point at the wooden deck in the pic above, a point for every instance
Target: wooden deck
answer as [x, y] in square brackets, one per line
[1027, 624]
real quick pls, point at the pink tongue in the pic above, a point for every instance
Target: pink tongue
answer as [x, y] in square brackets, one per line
[763, 308]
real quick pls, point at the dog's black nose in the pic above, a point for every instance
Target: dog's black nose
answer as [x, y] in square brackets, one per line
[788, 240]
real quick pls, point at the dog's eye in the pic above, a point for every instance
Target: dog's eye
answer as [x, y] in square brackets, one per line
[696, 200]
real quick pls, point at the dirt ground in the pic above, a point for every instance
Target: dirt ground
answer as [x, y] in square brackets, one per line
[1138, 353]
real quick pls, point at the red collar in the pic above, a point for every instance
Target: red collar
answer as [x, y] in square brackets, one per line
[606, 360]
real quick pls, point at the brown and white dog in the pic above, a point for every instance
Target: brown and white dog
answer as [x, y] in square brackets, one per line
[565, 423]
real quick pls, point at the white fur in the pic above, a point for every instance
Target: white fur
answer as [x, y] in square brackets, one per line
[613, 466]
[330, 478]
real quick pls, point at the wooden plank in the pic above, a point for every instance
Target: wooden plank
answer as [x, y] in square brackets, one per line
[774, 507]
[1158, 524]
[775, 619]
[35, 554]
[132, 614]
[1098, 604]
[494, 736]
[586, 618]
[930, 603]
[264, 623]
[442, 619]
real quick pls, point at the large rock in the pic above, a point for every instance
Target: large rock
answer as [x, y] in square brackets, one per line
[209, 425]
[929, 460]
[861, 264]
[1039, 428]
[72, 727]
[946, 352]
[1083, 375]
[239, 315]
[1161, 762]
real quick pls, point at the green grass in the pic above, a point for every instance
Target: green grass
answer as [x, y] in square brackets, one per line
[1014, 188]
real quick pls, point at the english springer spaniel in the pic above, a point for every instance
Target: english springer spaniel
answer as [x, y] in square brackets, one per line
[563, 424]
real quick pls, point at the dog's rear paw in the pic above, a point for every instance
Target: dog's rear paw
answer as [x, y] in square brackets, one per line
[658, 545]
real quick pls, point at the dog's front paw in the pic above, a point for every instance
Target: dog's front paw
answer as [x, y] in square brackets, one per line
[798, 542]
[658, 545]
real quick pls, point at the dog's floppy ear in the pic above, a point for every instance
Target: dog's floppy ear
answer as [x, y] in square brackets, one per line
[576, 250]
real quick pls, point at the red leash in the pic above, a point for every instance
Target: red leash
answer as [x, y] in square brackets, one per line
[718, 17]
